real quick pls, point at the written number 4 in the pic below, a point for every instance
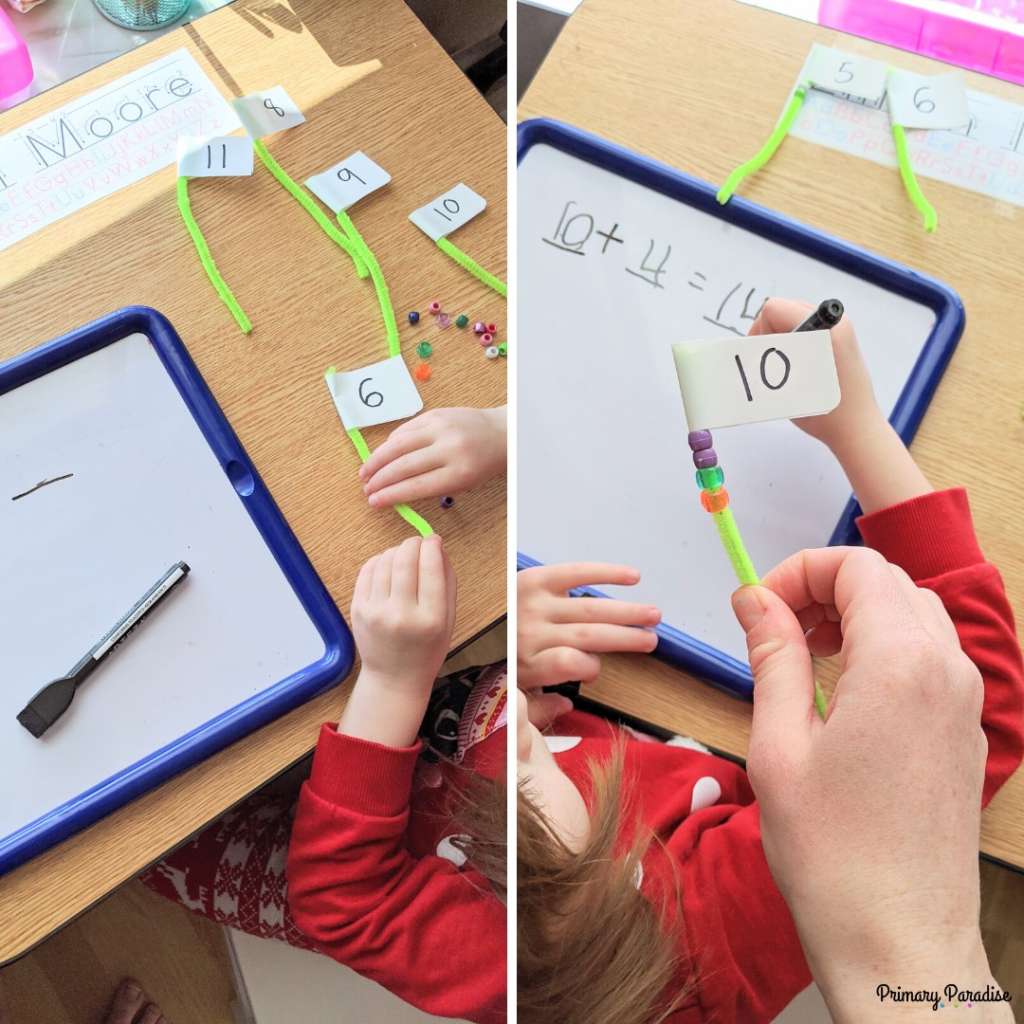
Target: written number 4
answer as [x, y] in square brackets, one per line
[764, 371]
[370, 398]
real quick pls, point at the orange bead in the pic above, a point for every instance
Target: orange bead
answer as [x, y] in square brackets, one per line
[422, 371]
[715, 501]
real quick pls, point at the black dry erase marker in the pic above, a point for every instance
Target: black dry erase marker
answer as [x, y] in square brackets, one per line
[826, 316]
[55, 698]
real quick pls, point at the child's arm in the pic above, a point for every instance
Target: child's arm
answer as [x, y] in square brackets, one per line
[928, 534]
[438, 453]
[421, 927]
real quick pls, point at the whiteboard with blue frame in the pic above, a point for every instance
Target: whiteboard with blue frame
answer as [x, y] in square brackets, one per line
[619, 257]
[146, 471]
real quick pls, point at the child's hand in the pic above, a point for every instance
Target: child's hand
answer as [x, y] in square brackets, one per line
[857, 412]
[561, 636]
[437, 453]
[403, 612]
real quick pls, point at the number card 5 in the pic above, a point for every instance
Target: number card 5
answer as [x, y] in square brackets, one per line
[448, 211]
[730, 381]
[221, 156]
[374, 394]
[845, 73]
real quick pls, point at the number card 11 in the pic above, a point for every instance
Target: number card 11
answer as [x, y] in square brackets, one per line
[729, 381]
[378, 393]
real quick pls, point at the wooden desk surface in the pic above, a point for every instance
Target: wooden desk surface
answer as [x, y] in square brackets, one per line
[368, 76]
[699, 85]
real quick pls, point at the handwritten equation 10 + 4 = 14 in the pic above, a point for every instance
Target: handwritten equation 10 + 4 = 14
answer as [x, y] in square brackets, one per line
[740, 303]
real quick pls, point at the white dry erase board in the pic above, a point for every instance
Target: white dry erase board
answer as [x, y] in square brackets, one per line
[152, 474]
[620, 257]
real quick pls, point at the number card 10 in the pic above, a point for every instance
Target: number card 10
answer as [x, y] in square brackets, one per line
[729, 381]
[378, 393]
[448, 211]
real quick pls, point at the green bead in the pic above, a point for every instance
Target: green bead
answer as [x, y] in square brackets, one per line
[709, 479]
[424, 350]
[503, 349]
[461, 320]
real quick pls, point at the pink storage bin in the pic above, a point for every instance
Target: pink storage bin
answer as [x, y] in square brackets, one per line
[16, 72]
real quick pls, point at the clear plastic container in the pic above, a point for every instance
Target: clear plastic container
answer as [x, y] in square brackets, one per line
[143, 15]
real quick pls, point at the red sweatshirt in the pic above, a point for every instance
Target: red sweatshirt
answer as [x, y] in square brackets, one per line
[366, 885]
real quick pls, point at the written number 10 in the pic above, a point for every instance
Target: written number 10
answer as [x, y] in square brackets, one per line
[779, 382]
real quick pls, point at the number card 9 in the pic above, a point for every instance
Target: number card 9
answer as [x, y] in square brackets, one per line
[448, 211]
[374, 394]
[344, 184]
[730, 381]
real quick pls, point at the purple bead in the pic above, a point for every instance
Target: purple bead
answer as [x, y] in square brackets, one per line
[447, 501]
[699, 440]
[705, 459]
[479, 327]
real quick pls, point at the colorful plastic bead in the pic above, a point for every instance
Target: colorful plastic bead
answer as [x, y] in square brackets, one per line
[447, 501]
[503, 349]
[698, 440]
[424, 350]
[422, 371]
[461, 320]
[414, 317]
[486, 338]
[479, 327]
[705, 459]
[435, 307]
[709, 479]
[492, 328]
[443, 319]
[714, 501]
[491, 352]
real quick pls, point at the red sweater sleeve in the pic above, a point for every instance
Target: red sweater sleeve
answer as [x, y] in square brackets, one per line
[431, 933]
[932, 538]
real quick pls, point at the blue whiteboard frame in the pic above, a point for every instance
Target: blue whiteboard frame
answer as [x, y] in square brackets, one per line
[271, 703]
[674, 646]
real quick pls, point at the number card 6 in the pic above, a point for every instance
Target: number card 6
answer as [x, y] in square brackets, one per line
[730, 381]
[374, 394]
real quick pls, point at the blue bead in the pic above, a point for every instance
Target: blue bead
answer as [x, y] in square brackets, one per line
[414, 317]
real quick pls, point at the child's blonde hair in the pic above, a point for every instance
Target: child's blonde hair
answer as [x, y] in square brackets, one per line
[592, 948]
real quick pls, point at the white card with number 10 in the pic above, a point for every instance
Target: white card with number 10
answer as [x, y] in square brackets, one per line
[220, 156]
[378, 393]
[448, 211]
[729, 381]
[344, 184]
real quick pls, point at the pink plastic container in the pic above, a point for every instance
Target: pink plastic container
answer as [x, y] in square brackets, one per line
[971, 38]
[16, 72]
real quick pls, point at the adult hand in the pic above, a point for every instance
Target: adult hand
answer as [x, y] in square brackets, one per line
[870, 819]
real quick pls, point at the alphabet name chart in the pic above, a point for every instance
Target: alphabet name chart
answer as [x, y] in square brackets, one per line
[726, 303]
[985, 156]
[105, 141]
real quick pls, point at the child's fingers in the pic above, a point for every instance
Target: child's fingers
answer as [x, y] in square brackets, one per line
[600, 609]
[405, 571]
[780, 316]
[599, 638]
[825, 639]
[397, 444]
[412, 464]
[382, 575]
[434, 484]
[364, 582]
[582, 574]
[433, 579]
[544, 708]
[564, 665]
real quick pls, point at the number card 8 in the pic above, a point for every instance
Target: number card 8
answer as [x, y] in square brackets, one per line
[378, 393]
[730, 381]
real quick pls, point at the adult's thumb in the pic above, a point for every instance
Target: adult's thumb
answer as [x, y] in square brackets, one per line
[779, 660]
